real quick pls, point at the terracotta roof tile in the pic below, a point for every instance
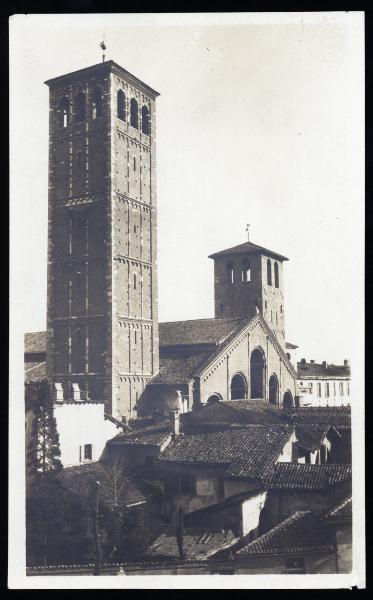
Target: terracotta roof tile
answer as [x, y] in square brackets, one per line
[298, 533]
[248, 248]
[198, 331]
[310, 435]
[152, 435]
[342, 510]
[35, 342]
[179, 370]
[337, 416]
[297, 476]
[35, 371]
[316, 370]
[247, 452]
[200, 545]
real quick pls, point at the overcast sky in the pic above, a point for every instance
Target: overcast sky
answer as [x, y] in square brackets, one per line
[257, 123]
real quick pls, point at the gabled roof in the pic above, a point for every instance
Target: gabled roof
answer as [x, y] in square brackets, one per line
[298, 476]
[247, 452]
[198, 331]
[311, 435]
[342, 510]
[299, 533]
[248, 248]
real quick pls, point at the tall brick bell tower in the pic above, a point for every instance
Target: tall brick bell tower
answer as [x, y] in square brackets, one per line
[102, 321]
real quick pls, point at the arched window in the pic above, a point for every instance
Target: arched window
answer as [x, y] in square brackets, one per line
[230, 273]
[63, 112]
[273, 389]
[277, 279]
[97, 103]
[79, 107]
[257, 373]
[238, 387]
[121, 105]
[269, 272]
[145, 120]
[287, 401]
[245, 271]
[134, 120]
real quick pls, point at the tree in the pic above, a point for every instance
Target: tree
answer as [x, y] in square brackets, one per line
[43, 463]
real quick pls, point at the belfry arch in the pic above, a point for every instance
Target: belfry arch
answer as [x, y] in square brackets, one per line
[273, 389]
[238, 387]
[257, 371]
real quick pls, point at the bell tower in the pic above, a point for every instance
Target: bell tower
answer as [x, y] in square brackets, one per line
[248, 278]
[102, 343]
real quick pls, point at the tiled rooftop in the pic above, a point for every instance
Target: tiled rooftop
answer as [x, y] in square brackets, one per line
[179, 370]
[195, 545]
[247, 452]
[343, 510]
[35, 371]
[151, 435]
[338, 416]
[310, 435]
[240, 412]
[297, 476]
[248, 248]
[198, 331]
[298, 533]
[317, 370]
[35, 342]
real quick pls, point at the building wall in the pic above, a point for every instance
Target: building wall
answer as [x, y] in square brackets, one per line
[217, 379]
[251, 510]
[315, 392]
[79, 424]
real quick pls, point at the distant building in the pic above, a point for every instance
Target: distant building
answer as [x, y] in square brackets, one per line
[323, 384]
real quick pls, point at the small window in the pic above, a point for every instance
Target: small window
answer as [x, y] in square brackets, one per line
[230, 273]
[348, 388]
[265, 303]
[135, 336]
[327, 389]
[245, 272]
[145, 120]
[134, 229]
[288, 357]
[281, 308]
[134, 281]
[63, 112]
[341, 390]
[97, 103]
[134, 163]
[134, 117]
[121, 105]
[79, 107]
[277, 279]
[187, 483]
[87, 451]
[269, 272]
[319, 390]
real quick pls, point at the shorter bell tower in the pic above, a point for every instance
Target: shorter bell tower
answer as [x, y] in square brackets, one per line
[248, 278]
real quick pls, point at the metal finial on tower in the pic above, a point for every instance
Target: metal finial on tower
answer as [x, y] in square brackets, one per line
[103, 48]
[248, 231]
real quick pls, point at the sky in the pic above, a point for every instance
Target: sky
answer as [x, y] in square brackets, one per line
[260, 120]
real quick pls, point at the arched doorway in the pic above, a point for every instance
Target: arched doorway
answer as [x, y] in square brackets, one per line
[257, 373]
[238, 387]
[287, 401]
[214, 398]
[273, 389]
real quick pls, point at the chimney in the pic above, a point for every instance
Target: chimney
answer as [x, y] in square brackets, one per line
[174, 423]
[325, 364]
[303, 361]
[312, 361]
[346, 362]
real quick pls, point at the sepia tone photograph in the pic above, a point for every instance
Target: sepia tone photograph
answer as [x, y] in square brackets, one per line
[187, 230]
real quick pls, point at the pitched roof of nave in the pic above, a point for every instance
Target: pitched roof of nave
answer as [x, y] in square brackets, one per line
[198, 331]
[248, 248]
